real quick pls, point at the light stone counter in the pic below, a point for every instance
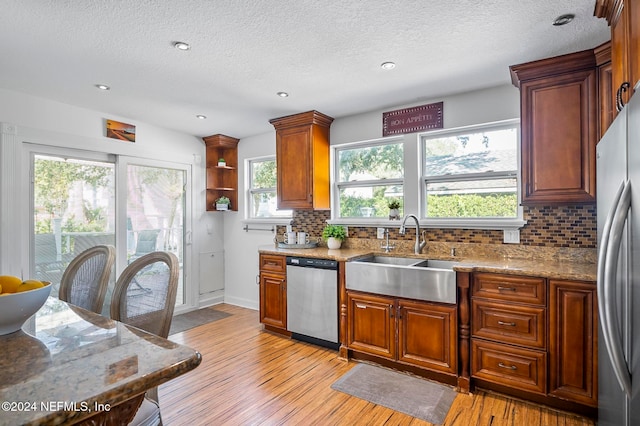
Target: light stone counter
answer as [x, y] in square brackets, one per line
[561, 264]
[68, 364]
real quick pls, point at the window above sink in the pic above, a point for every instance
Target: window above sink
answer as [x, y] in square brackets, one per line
[466, 177]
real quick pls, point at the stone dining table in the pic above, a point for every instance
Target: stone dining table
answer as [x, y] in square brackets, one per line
[71, 366]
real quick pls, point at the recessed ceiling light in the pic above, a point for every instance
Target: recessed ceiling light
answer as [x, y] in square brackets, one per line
[181, 45]
[283, 94]
[388, 65]
[201, 117]
[563, 19]
[103, 87]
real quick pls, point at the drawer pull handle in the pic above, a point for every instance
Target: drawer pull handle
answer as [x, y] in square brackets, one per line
[361, 306]
[500, 288]
[510, 367]
[510, 324]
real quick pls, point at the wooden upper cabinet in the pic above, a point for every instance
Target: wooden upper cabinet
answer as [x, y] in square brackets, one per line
[302, 158]
[559, 113]
[606, 98]
[623, 17]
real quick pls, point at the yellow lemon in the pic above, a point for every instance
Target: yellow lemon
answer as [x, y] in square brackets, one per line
[29, 285]
[9, 283]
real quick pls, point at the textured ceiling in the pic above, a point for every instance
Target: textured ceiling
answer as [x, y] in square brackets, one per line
[326, 54]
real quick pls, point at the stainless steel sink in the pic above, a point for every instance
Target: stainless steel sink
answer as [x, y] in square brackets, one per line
[389, 260]
[440, 264]
[411, 278]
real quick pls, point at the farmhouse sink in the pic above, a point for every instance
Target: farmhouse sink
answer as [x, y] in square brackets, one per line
[436, 264]
[390, 260]
[429, 280]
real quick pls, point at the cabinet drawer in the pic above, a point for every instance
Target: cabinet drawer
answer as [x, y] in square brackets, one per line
[273, 263]
[520, 325]
[510, 288]
[509, 366]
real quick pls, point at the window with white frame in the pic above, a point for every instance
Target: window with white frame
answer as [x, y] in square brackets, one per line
[471, 173]
[262, 194]
[368, 176]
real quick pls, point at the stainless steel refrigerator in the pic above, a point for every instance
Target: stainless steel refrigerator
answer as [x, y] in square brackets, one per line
[618, 203]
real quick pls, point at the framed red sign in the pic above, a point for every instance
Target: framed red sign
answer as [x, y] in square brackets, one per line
[414, 119]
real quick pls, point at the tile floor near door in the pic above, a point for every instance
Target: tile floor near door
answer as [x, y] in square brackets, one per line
[252, 377]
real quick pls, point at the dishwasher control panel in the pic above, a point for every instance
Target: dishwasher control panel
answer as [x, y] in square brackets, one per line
[309, 262]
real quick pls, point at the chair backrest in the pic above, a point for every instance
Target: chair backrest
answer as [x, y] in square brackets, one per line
[85, 280]
[145, 293]
[83, 242]
[146, 242]
[45, 248]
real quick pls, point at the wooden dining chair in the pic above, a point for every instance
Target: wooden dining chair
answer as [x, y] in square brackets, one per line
[85, 280]
[150, 309]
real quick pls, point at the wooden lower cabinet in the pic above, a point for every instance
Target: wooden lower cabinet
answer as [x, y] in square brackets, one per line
[410, 332]
[522, 325]
[273, 291]
[547, 350]
[507, 365]
[573, 347]
[371, 324]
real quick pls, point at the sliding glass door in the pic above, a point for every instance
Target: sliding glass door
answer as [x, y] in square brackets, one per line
[73, 209]
[155, 212]
[81, 199]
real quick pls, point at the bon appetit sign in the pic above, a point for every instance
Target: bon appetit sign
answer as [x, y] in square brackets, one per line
[414, 119]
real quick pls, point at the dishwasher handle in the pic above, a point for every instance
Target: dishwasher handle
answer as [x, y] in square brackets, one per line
[310, 262]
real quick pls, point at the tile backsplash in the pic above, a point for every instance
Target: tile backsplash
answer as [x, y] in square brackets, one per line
[552, 227]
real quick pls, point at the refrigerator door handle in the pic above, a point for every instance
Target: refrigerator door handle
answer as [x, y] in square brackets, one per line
[602, 252]
[602, 257]
[606, 303]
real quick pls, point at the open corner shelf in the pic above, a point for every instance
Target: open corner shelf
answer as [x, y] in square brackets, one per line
[221, 180]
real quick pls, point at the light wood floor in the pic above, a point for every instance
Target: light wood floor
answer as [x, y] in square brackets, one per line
[252, 377]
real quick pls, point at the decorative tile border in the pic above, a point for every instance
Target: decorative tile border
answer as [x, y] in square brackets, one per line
[565, 231]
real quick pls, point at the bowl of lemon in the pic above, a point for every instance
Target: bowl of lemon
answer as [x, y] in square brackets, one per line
[19, 300]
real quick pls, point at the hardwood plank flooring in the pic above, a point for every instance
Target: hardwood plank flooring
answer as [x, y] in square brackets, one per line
[252, 377]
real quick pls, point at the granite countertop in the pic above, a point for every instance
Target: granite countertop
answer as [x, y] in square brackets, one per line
[566, 269]
[69, 355]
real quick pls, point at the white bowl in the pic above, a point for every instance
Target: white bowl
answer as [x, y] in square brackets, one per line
[16, 308]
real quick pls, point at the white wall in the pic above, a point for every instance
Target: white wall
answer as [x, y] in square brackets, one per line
[482, 106]
[36, 120]
[241, 248]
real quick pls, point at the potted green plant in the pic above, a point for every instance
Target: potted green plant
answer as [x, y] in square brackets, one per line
[223, 203]
[394, 209]
[334, 235]
[221, 162]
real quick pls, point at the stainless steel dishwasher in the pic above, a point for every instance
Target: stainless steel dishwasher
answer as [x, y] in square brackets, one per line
[312, 300]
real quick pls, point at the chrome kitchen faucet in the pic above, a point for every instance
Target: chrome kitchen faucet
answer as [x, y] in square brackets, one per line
[387, 247]
[419, 244]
